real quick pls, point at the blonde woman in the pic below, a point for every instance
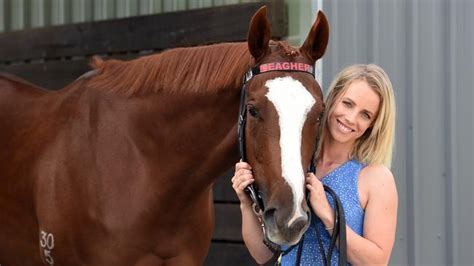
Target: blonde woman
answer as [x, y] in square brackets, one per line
[353, 158]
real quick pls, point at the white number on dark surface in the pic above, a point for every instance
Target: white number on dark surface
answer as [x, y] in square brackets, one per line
[47, 244]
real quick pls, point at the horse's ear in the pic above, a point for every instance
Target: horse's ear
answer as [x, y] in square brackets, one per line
[259, 34]
[315, 44]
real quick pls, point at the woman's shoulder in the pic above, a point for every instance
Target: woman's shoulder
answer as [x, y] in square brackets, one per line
[377, 179]
[378, 171]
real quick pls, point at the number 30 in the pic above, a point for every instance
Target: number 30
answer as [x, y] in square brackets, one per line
[47, 240]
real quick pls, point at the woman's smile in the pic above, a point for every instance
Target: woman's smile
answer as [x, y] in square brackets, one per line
[343, 128]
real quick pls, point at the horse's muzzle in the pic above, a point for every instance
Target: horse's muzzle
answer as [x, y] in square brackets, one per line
[278, 230]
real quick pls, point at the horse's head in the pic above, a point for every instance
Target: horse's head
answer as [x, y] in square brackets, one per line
[284, 103]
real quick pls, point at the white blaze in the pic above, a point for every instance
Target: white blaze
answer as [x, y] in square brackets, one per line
[292, 102]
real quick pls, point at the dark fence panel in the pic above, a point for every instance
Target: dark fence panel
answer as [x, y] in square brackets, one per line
[155, 32]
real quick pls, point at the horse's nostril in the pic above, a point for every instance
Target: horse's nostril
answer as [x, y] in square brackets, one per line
[299, 224]
[269, 217]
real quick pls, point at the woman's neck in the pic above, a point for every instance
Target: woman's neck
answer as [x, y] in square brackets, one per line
[334, 152]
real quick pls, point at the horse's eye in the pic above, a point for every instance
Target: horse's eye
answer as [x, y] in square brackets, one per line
[253, 111]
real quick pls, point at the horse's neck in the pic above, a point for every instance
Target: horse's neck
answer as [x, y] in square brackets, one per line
[188, 139]
[182, 125]
[196, 129]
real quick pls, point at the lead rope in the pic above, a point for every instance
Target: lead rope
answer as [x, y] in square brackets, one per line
[339, 228]
[339, 232]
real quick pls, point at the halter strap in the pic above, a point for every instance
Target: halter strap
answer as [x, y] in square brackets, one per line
[278, 66]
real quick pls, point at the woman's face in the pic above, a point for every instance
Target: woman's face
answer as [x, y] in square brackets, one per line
[353, 113]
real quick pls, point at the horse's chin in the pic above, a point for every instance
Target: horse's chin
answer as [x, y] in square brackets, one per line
[280, 238]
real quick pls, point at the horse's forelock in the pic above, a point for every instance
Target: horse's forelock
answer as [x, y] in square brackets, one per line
[96, 62]
[287, 50]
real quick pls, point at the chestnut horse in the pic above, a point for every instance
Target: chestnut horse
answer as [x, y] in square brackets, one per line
[117, 168]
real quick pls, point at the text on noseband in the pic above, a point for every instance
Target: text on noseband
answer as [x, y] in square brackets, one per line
[279, 66]
[286, 66]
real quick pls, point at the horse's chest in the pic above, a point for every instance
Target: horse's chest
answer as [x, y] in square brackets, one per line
[141, 248]
[76, 226]
[67, 238]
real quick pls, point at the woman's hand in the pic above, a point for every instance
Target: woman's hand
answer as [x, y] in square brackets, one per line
[319, 202]
[252, 233]
[241, 179]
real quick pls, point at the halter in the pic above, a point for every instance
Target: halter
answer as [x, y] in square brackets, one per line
[256, 196]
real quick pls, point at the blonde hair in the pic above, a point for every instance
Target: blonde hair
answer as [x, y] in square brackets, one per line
[375, 146]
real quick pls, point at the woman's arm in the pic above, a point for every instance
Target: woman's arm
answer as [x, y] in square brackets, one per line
[253, 236]
[378, 191]
[251, 229]
[378, 195]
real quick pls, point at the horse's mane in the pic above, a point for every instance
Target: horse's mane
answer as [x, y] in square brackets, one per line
[207, 68]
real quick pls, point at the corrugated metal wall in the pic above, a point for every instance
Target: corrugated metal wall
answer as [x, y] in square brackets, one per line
[21, 14]
[426, 46]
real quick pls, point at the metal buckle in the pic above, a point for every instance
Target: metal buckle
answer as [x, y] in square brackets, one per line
[248, 76]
